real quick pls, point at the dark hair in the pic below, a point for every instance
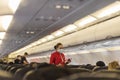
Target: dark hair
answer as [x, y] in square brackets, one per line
[88, 65]
[18, 55]
[10, 63]
[57, 45]
[100, 63]
[25, 53]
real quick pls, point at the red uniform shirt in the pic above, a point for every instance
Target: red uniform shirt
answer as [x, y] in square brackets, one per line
[57, 58]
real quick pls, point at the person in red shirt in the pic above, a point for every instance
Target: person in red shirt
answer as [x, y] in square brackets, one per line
[58, 58]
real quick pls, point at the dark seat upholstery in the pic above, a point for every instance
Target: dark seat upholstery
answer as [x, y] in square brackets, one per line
[20, 74]
[103, 75]
[8, 68]
[45, 71]
[108, 72]
[101, 68]
[3, 67]
[51, 73]
[43, 65]
[14, 69]
[78, 70]
[11, 66]
[72, 66]
[88, 66]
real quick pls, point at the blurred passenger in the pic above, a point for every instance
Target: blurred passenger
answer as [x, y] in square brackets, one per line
[99, 64]
[33, 64]
[58, 58]
[113, 65]
[10, 63]
[23, 58]
[89, 66]
[18, 60]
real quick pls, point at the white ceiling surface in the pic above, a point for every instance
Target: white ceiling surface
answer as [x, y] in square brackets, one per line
[42, 18]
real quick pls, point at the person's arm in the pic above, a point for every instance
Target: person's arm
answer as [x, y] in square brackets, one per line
[63, 61]
[25, 61]
[52, 59]
[66, 61]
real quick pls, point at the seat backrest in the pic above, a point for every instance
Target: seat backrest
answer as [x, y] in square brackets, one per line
[13, 70]
[48, 73]
[72, 66]
[78, 70]
[8, 68]
[93, 76]
[52, 73]
[90, 67]
[101, 68]
[3, 66]
[20, 74]
[43, 65]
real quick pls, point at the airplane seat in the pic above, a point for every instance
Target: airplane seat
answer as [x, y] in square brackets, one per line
[15, 69]
[0, 66]
[34, 65]
[4, 67]
[12, 67]
[92, 76]
[47, 73]
[88, 66]
[101, 68]
[42, 65]
[20, 73]
[18, 70]
[72, 66]
[78, 70]
[8, 68]
[109, 71]
[52, 72]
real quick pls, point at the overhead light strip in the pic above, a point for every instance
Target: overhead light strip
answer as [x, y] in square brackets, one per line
[109, 10]
[84, 21]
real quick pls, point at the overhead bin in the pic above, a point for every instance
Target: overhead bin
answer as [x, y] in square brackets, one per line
[93, 33]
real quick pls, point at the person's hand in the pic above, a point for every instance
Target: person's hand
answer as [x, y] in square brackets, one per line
[59, 65]
[68, 61]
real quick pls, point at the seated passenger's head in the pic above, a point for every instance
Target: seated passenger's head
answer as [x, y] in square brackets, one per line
[19, 57]
[113, 65]
[88, 65]
[100, 63]
[10, 63]
[25, 54]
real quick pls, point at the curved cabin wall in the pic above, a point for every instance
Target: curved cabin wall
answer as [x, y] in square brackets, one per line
[93, 33]
[96, 32]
